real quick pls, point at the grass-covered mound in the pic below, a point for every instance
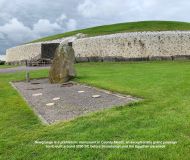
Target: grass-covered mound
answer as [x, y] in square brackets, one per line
[125, 27]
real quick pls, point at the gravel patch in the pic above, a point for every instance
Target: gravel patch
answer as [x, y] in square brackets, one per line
[57, 102]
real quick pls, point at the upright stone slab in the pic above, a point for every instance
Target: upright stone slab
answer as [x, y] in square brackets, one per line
[62, 68]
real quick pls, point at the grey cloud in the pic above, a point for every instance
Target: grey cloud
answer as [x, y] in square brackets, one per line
[71, 24]
[25, 20]
[127, 10]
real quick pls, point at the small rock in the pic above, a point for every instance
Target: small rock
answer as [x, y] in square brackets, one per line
[49, 104]
[96, 96]
[80, 91]
[37, 94]
[56, 98]
[119, 96]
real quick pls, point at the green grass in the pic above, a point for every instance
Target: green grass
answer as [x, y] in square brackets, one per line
[7, 66]
[164, 115]
[124, 27]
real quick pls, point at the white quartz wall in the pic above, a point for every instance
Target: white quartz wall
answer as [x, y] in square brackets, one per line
[23, 52]
[127, 45]
[134, 45]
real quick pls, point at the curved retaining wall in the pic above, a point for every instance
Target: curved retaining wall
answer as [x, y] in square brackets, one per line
[23, 52]
[134, 46]
[166, 45]
[33, 51]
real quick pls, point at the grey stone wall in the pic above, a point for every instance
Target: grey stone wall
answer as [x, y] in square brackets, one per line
[138, 45]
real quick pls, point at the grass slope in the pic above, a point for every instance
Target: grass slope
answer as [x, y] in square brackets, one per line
[125, 27]
[164, 115]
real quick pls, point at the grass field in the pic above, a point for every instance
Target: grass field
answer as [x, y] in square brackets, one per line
[124, 27]
[164, 115]
[7, 66]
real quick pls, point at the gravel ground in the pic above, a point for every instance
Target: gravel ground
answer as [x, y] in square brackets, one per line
[70, 101]
[20, 68]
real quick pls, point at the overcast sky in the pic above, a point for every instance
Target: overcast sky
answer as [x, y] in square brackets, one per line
[25, 20]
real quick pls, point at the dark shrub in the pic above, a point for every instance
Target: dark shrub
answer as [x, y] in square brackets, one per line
[2, 62]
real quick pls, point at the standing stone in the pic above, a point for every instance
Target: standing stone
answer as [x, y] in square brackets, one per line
[62, 68]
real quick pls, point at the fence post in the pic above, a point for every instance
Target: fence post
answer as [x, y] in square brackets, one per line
[27, 73]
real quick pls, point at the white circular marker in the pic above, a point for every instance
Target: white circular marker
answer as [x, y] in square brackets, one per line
[80, 91]
[96, 96]
[56, 98]
[49, 104]
[37, 94]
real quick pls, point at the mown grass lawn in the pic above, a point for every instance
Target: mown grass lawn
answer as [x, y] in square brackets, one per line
[7, 66]
[164, 115]
[141, 26]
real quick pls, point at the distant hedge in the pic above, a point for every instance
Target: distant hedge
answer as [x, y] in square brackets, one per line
[2, 62]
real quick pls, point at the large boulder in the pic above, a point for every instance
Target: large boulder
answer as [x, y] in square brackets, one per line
[62, 68]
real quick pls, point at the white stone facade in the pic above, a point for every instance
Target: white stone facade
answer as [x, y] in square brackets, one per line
[134, 45]
[125, 45]
[23, 52]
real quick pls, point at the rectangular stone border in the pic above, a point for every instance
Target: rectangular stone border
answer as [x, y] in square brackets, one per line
[43, 120]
